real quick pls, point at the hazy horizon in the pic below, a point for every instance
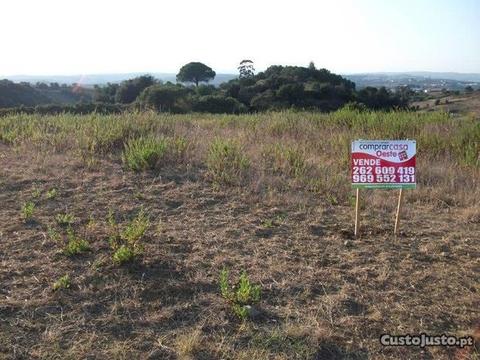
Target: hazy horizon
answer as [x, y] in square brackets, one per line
[55, 37]
[233, 72]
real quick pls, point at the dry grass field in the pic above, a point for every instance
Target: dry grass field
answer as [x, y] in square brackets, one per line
[114, 231]
[455, 104]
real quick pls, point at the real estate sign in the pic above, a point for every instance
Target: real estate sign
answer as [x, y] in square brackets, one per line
[383, 164]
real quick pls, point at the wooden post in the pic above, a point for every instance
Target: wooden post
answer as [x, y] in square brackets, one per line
[357, 202]
[399, 208]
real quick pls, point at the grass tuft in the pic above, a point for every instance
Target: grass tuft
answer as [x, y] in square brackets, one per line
[226, 162]
[148, 153]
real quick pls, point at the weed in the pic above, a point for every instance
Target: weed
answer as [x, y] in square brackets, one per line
[51, 194]
[126, 242]
[91, 224]
[36, 193]
[75, 245]
[62, 283]
[135, 230]
[240, 296]
[65, 219]
[123, 254]
[226, 162]
[111, 219]
[27, 211]
[53, 234]
[268, 223]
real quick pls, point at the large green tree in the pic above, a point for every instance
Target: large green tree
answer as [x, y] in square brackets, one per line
[195, 72]
[164, 97]
[246, 69]
[128, 90]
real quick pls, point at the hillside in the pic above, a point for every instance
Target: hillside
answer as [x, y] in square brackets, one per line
[12, 95]
[115, 231]
[23, 94]
[462, 104]
[418, 81]
[450, 80]
[88, 80]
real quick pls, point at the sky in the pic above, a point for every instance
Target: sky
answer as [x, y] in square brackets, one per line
[64, 37]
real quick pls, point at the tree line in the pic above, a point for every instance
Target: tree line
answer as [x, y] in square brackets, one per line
[276, 88]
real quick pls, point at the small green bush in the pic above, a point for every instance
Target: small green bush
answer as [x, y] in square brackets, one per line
[240, 296]
[217, 104]
[27, 211]
[62, 283]
[226, 162]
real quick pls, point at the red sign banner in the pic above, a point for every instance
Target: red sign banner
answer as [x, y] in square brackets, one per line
[383, 164]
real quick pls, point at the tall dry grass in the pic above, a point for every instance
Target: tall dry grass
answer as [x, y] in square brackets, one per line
[285, 151]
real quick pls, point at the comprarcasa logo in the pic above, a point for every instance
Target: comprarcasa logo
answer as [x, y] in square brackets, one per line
[423, 340]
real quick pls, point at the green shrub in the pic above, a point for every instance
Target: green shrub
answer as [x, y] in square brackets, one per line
[62, 283]
[226, 162]
[240, 296]
[217, 104]
[27, 211]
